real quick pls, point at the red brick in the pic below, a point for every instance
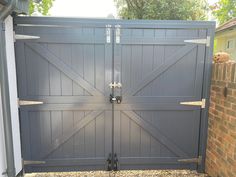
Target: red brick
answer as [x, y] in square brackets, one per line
[221, 145]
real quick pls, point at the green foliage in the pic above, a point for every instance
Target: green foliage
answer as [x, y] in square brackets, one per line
[162, 9]
[41, 7]
[224, 10]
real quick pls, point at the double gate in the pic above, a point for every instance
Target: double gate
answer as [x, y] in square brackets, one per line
[112, 94]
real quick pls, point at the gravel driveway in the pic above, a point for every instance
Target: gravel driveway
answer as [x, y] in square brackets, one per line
[133, 173]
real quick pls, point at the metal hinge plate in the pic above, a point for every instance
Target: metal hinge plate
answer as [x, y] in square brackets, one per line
[201, 103]
[200, 41]
[30, 162]
[4, 173]
[108, 33]
[197, 160]
[27, 102]
[25, 37]
[117, 33]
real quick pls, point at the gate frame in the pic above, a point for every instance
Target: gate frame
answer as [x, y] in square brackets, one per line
[208, 25]
[206, 94]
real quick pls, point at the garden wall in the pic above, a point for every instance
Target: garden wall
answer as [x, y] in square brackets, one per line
[221, 147]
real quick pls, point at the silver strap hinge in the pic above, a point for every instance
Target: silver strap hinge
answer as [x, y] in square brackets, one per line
[201, 103]
[25, 37]
[205, 41]
[28, 102]
[197, 160]
[30, 162]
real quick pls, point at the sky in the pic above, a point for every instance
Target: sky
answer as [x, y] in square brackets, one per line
[87, 8]
[83, 8]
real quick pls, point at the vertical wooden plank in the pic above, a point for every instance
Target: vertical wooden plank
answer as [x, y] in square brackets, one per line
[135, 132]
[158, 60]
[31, 71]
[155, 148]
[171, 33]
[90, 139]
[66, 85]
[35, 138]
[25, 134]
[145, 144]
[79, 142]
[99, 67]
[100, 132]
[89, 64]
[63, 52]
[68, 122]
[126, 67]
[160, 33]
[158, 56]
[65, 56]
[108, 130]
[187, 33]
[45, 127]
[55, 81]
[165, 152]
[200, 57]
[77, 66]
[56, 119]
[21, 69]
[54, 74]
[42, 75]
[136, 66]
[147, 64]
[125, 136]
[117, 132]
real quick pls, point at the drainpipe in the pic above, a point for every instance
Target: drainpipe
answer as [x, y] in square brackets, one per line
[10, 171]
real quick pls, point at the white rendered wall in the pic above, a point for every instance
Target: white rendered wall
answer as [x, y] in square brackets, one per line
[2, 143]
[10, 53]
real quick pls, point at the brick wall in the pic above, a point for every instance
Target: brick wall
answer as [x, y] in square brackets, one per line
[221, 147]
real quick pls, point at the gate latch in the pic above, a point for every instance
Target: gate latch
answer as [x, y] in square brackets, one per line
[118, 99]
[109, 159]
[115, 162]
[115, 85]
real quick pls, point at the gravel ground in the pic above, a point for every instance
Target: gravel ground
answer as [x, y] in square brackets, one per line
[132, 173]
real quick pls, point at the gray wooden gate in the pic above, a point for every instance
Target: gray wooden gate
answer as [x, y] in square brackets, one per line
[163, 66]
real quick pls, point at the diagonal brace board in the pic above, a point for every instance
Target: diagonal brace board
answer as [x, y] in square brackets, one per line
[170, 61]
[45, 53]
[155, 133]
[78, 126]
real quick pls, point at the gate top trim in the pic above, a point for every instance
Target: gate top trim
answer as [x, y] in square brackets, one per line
[96, 22]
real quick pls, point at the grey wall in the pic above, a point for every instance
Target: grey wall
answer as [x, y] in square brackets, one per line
[10, 54]
[2, 143]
